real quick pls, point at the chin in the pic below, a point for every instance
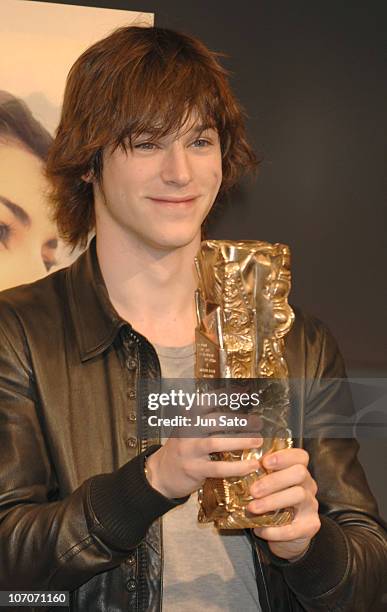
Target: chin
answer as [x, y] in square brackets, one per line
[177, 241]
[174, 244]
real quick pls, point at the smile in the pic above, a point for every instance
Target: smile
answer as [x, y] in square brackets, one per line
[175, 201]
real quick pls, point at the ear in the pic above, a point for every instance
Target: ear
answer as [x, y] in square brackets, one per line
[88, 177]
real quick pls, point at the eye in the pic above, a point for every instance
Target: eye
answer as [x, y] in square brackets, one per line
[5, 233]
[145, 146]
[202, 142]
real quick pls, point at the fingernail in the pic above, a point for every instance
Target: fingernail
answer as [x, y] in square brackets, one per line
[270, 461]
[257, 505]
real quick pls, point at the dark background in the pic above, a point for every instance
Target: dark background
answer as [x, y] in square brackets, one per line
[312, 78]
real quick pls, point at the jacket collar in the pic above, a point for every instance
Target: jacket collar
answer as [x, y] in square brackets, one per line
[95, 320]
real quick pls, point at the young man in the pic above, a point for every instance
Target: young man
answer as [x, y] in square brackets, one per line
[150, 135]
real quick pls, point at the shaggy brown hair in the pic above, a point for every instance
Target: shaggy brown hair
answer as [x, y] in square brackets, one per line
[138, 79]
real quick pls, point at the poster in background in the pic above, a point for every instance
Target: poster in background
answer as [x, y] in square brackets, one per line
[39, 42]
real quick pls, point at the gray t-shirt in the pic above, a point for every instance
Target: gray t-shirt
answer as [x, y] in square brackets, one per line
[204, 569]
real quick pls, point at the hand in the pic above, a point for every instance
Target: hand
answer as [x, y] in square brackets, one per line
[180, 466]
[289, 484]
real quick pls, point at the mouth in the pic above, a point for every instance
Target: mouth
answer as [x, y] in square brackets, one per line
[174, 201]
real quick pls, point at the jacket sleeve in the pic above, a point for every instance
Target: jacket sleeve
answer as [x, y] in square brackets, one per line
[345, 567]
[52, 543]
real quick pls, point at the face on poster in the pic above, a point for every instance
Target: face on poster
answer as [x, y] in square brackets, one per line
[39, 42]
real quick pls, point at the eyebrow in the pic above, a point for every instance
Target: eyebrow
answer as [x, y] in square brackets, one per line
[202, 128]
[16, 210]
[198, 129]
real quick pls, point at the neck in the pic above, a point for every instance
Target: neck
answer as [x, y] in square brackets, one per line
[152, 288]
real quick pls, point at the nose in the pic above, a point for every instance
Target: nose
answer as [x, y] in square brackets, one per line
[176, 168]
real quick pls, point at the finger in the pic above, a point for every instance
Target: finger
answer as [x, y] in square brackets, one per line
[298, 529]
[214, 444]
[285, 458]
[293, 496]
[227, 469]
[202, 448]
[278, 480]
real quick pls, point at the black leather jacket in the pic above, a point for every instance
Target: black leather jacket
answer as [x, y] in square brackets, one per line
[76, 511]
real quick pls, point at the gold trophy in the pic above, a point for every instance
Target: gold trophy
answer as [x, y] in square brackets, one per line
[243, 316]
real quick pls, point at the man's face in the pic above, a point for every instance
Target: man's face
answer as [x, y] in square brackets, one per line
[160, 192]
